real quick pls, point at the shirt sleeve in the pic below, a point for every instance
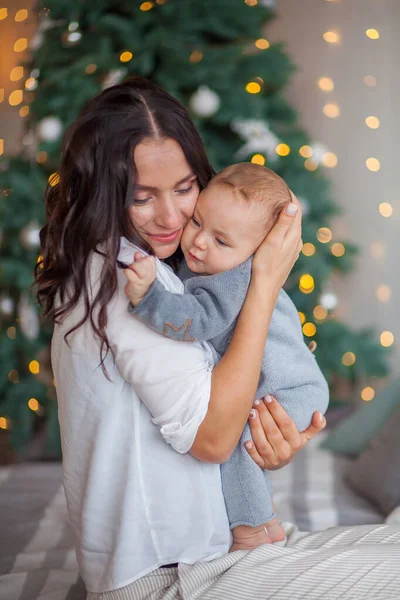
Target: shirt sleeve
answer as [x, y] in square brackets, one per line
[172, 379]
[207, 308]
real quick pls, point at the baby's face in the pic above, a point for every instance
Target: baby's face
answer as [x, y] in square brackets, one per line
[222, 233]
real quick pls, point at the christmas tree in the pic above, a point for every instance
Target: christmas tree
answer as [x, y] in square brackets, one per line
[214, 57]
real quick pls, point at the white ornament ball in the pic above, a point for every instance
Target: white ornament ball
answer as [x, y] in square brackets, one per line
[6, 305]
[50, 129]
[318, 151]
[28, 319]
[29, 236]
[328, 300]
[205, 102]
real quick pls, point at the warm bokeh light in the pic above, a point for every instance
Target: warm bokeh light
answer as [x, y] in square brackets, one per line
[348, 359]
[258, 159]
[33, 404]
[377, 250]
[41, 157]
[146, 6]
[54, 179]
[21, 15]
[385, 209]
[13, 376]
[34, 367]
[30, 83]
[17, 73]
[331, 110]
[309, 329]
[262, 44]
[370, 80]
[253, 87]
[306, 283]
[325, 84]
[373, 34]
[125, 56]
[324, 235]
[373, 164]
[331, 37]
[383, 292]
[329, 159]
[302, 317]
[1, 146]
[338, 249]
[3, 13]
[16, 97]
[24, 111]
[1, 94]
[3, 420]
[12, 333]
[308, 249]
[310, 164]
[90, 68]
[251, 2]
[320, 312]
[282, 149]
[368, 393]
[386, 338]
[196, 56]
[372, 122]
[306, 151]
[21, 45]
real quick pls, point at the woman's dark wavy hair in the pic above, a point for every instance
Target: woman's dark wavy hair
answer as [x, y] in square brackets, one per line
[88, 207]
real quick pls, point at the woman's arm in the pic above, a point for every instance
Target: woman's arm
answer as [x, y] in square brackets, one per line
[235, 378]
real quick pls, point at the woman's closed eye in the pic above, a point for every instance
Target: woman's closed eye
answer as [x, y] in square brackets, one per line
[186, 190]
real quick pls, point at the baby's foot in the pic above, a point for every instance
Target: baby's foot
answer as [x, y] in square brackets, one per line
[247, 538]
[275, 530]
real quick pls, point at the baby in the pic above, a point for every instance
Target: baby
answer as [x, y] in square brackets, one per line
[232, 216]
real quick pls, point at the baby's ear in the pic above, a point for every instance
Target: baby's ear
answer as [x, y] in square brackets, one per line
[312, 346]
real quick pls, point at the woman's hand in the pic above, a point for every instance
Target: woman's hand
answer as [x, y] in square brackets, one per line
[279, 251]
[275, 436]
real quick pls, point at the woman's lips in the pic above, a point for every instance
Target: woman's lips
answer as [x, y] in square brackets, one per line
[170, 237]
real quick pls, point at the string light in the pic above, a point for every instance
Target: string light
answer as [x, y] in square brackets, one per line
[24, 111]
[310, 164]
[1, 94]
[331, 37]
[145, 6]
[373, 34]
[329, 160]
[3, 13]
[386, 338]
[370, 80]
[251, 2]
[309, 329]
[4, 423]
[1, 146]
[308, 249]
[348, 359]
[196, 56]
[324, 235]
[31, 83]
[34, 367]
[385, 209]
[90, 68]
[383, 292]
[253, 87]
[13, 376]
[262, 44]
[11, 333]
[372, 122]
[306, 283]
[21, 15]
[16, 97]
[306, 151]
[282, 149]
[126, 56]
[331, 110]
[33, 404]
[302, 317]
[16, 74]
[367, 394]
[320, 312]
[373, 164]
[258, 159]
[41, 157]
[326, 84]
[338, 249]
[21, 45]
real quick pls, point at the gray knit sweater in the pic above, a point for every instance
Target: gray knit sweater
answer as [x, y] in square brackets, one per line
[207, 311]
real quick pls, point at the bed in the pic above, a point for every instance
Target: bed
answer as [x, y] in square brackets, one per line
[37, 560]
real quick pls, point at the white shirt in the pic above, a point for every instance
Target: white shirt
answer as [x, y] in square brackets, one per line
[136, 499]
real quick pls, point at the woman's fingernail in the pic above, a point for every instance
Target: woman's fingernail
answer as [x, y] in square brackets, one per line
[253, 413]
[248, 445]
[291, 209]
[320, 417]
[257, 402]
[268, 398]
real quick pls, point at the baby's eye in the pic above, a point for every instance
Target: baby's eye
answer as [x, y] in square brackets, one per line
[220, 242]
[195, 222]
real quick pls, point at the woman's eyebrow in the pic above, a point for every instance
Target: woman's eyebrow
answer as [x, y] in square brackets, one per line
[149, 187]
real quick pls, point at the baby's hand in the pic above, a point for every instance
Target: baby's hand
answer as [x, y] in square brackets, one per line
[140, 274]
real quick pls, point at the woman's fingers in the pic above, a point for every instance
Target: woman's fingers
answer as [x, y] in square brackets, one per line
[284, 424]
[252, 450]
[317, 424]
[260, 441]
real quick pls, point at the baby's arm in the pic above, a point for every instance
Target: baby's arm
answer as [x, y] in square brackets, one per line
[206, 309]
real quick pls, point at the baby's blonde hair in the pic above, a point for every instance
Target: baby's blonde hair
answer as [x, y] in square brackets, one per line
[253, 183]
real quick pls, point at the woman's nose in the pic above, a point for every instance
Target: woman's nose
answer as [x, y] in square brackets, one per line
[170, 216]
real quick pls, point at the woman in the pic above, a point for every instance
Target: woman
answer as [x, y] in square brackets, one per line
[143, 418]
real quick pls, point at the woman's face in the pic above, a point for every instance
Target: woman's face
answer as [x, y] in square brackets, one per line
[165, 195]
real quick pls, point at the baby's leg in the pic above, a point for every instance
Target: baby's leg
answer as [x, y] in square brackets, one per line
[247, 538]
